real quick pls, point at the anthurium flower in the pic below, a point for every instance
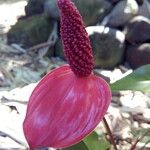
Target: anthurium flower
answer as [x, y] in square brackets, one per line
[70, 101]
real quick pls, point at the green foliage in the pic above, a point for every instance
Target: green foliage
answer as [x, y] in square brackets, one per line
[142, 132]
[138, 80]
[94, 143]
[91, 142]
[79, 146]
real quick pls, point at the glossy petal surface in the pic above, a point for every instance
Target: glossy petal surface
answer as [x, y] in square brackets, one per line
[63, 108]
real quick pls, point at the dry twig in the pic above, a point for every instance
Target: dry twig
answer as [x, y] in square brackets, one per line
[44, 47]
[133, 147]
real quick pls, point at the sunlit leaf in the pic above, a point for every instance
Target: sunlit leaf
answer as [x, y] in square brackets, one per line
[79, 146]
[138, 80]
[93, 142]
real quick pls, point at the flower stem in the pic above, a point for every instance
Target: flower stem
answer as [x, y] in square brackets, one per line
[109, 133]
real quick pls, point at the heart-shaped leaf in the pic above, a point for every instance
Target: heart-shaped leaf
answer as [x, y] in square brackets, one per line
[138, 80]
[91, 142]
[79, 146]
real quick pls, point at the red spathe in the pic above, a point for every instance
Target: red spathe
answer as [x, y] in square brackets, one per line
[64, 108]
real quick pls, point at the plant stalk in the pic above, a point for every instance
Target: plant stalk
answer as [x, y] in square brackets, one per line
[109, 133]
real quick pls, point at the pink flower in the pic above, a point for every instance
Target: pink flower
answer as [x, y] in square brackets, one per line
[70, 101]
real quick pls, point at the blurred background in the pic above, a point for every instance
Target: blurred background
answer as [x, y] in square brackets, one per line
[30, 46]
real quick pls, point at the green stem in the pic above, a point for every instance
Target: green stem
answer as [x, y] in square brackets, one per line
[109, 133]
